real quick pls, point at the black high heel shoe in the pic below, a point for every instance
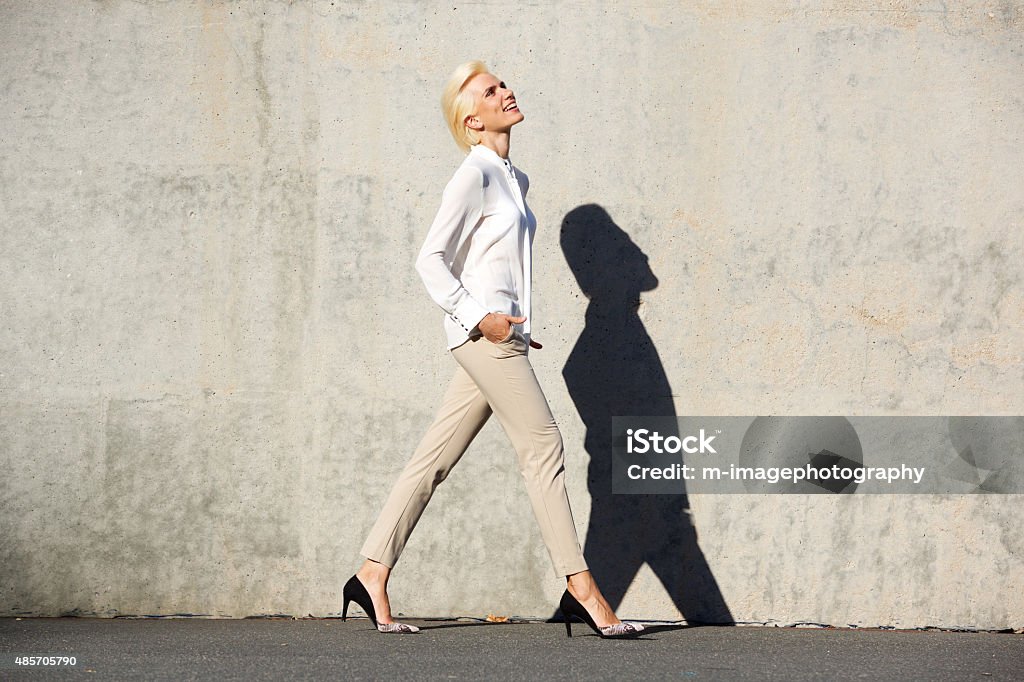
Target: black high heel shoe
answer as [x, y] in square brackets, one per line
[356, 592]
[572, 607]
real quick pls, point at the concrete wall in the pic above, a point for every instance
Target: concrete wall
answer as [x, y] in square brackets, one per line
[215, 355]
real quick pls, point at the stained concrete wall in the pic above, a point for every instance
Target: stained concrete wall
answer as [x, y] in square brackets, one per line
[216, 355]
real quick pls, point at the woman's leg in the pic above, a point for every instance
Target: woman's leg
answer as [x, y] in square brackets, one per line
[506, 378]
[462, 414]
[504, 375]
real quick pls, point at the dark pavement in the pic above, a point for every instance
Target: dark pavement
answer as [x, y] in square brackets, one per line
[271, 649]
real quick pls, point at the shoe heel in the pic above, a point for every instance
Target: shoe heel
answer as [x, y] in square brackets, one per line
[571, 607]
[355, 592]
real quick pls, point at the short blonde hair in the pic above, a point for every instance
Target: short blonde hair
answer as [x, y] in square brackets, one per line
[457, 104]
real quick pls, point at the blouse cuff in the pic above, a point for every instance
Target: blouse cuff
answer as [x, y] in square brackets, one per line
[468, 313]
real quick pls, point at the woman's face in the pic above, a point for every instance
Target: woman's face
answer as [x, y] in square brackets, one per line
[496, 107]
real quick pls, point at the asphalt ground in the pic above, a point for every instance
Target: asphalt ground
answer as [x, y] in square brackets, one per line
[274, 649]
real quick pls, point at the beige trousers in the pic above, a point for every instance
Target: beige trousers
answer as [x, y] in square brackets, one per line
[490, 377]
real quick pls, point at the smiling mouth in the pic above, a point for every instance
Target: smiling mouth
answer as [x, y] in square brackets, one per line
[511, 107]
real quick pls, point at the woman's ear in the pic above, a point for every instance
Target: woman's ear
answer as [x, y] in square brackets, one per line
[473, 123]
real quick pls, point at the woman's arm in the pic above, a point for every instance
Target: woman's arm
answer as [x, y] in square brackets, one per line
[461, 206]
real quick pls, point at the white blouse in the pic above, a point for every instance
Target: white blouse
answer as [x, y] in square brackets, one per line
[477, 255]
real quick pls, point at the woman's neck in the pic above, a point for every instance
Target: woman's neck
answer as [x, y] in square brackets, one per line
[497, 142]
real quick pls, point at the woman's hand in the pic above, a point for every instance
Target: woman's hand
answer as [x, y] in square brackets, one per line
[497, 326]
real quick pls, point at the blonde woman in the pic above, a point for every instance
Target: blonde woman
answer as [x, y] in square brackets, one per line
[476, 265]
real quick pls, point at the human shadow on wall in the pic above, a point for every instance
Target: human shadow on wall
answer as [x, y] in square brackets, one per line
[614, 370]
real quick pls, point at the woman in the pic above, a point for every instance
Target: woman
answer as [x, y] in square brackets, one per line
[476, 265]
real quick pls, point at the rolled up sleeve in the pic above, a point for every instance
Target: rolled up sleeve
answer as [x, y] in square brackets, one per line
[461, 206]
